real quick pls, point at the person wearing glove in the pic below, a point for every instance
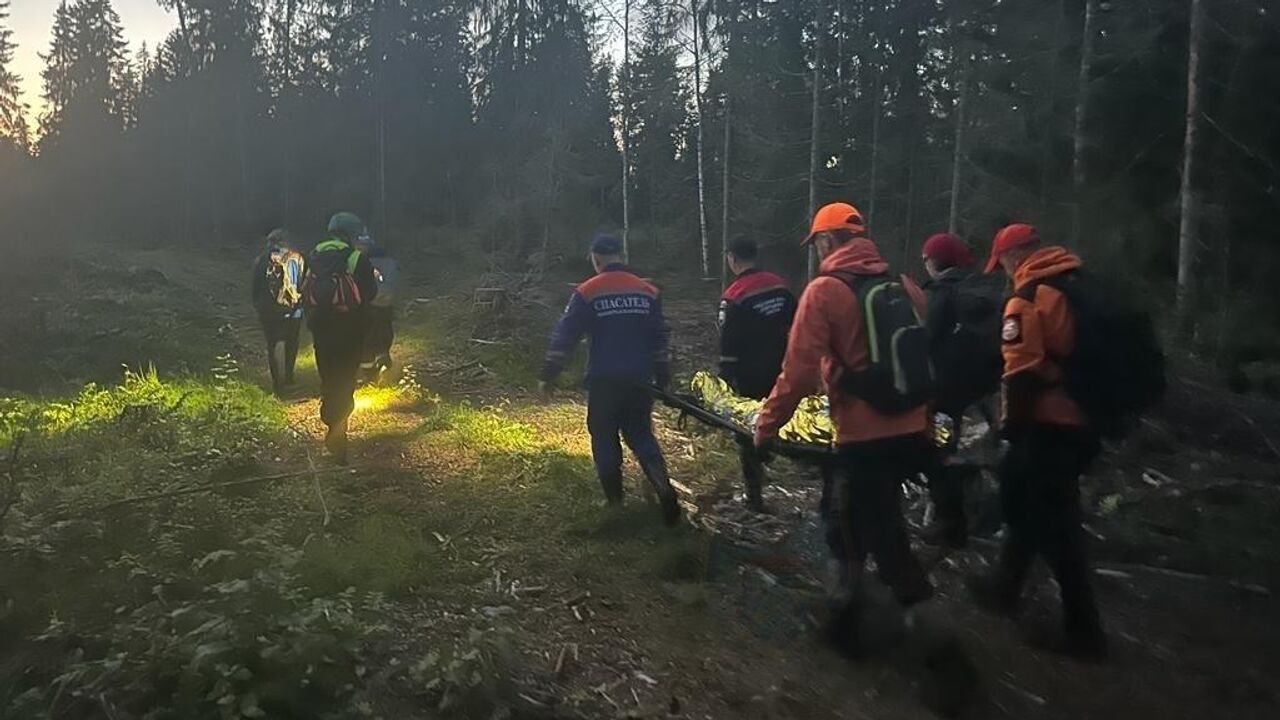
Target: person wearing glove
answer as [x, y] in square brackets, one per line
[755, 316]
[877, 451]
[622, 315]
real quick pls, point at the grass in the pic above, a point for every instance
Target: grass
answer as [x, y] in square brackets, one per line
[466, 487]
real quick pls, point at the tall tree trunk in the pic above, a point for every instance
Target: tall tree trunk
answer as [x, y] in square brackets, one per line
[815, 128]
[242, 143]
[697, 95]
[286, 92]
[379, 58]
[875, 149]
[957, 158]
[1046, 150]
[1078, 170]
[1188, 220]
[724, 191]
[187, 175]
[626, 129]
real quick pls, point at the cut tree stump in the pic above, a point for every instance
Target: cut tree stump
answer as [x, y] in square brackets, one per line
[493, 299]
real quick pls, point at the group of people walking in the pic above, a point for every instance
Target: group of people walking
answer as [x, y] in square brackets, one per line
[896, 359]
[345, 291]
[902, 365]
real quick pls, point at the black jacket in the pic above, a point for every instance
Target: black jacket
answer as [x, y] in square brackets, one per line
[963, 320]
[755, 317]
[942, 315]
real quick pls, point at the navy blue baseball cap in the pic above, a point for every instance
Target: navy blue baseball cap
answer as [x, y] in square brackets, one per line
[606, 244]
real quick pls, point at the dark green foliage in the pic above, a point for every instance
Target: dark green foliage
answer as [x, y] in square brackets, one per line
[502, 120]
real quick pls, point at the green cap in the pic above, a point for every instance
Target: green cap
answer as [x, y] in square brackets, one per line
[348, 225]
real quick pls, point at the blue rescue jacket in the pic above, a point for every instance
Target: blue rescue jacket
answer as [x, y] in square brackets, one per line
[629, 335]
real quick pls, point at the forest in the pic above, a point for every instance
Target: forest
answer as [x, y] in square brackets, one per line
[1141, 132]
[174, 542]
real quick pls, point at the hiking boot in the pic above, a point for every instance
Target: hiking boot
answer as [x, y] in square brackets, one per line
[612, 486]
[992, 594]
[943, 536]
[670, 509]
[1088, 646]
[335, 441]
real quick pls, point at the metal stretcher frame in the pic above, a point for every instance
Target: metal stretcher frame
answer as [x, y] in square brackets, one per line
[689, 407]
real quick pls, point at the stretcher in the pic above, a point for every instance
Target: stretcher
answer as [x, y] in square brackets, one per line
[809, 435]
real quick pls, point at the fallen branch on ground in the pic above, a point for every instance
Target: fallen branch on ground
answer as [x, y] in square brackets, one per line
[456, 369]
[1131, 568]
[210, 488]
[1265, 438]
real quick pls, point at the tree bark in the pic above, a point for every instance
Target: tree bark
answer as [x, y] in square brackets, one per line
[724, 191]
[290, 12]
[815, 128]
[1188, 220]
[379, 58]
[875, 149]
[1046, 150]
[626, 129]
[697, 95]
[1078, 174]
[957, 159]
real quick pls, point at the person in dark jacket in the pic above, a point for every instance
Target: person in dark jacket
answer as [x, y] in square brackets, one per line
[622, 314]
[382, 332]
[949, 264]
[756, 311]
[340, 285]
[276, 295]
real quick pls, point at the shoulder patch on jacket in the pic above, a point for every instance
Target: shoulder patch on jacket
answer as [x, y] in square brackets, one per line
[1011, 331]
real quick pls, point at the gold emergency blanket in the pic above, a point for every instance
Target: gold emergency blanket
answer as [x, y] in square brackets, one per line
[812, 422]
[810, 425]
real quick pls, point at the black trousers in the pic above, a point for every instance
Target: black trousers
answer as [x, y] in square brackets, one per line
[947, 481]
[621, 410]
[752, 468]
[382, 335]
[1040, 496]
[281, 334]
[870, 505]
[339, 343]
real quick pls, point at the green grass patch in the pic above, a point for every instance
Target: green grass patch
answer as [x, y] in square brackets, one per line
[381, 552]
[488, 429]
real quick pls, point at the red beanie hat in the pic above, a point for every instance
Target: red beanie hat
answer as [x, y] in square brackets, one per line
[947, 250]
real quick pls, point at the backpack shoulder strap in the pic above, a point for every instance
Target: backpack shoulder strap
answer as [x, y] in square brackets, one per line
[353, 260]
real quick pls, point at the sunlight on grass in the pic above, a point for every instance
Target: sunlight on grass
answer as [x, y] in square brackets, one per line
[373, 398]
[144, 397]
[485, 429]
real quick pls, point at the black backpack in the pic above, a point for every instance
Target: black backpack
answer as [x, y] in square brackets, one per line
[899, 374]
[1115, 370]
[330, 286]
[968, 362]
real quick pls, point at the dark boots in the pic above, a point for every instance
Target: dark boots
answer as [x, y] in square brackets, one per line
[612, 485]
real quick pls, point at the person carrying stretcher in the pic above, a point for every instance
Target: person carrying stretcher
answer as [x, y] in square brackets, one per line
[859, 331]
[755, 316]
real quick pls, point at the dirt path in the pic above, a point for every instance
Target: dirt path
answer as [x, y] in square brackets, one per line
[474, 507]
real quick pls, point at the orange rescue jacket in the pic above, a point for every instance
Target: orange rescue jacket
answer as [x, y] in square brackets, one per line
[1038, 334]
[827, 337]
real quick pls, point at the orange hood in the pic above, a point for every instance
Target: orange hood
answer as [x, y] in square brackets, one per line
[859, 256]
[1043, 263]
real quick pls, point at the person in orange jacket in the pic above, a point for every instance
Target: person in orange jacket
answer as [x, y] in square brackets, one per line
[877, 452]
[1050, 443]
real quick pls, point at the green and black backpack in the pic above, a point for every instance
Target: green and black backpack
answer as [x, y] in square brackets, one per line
[331, 285]
[899, 374]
